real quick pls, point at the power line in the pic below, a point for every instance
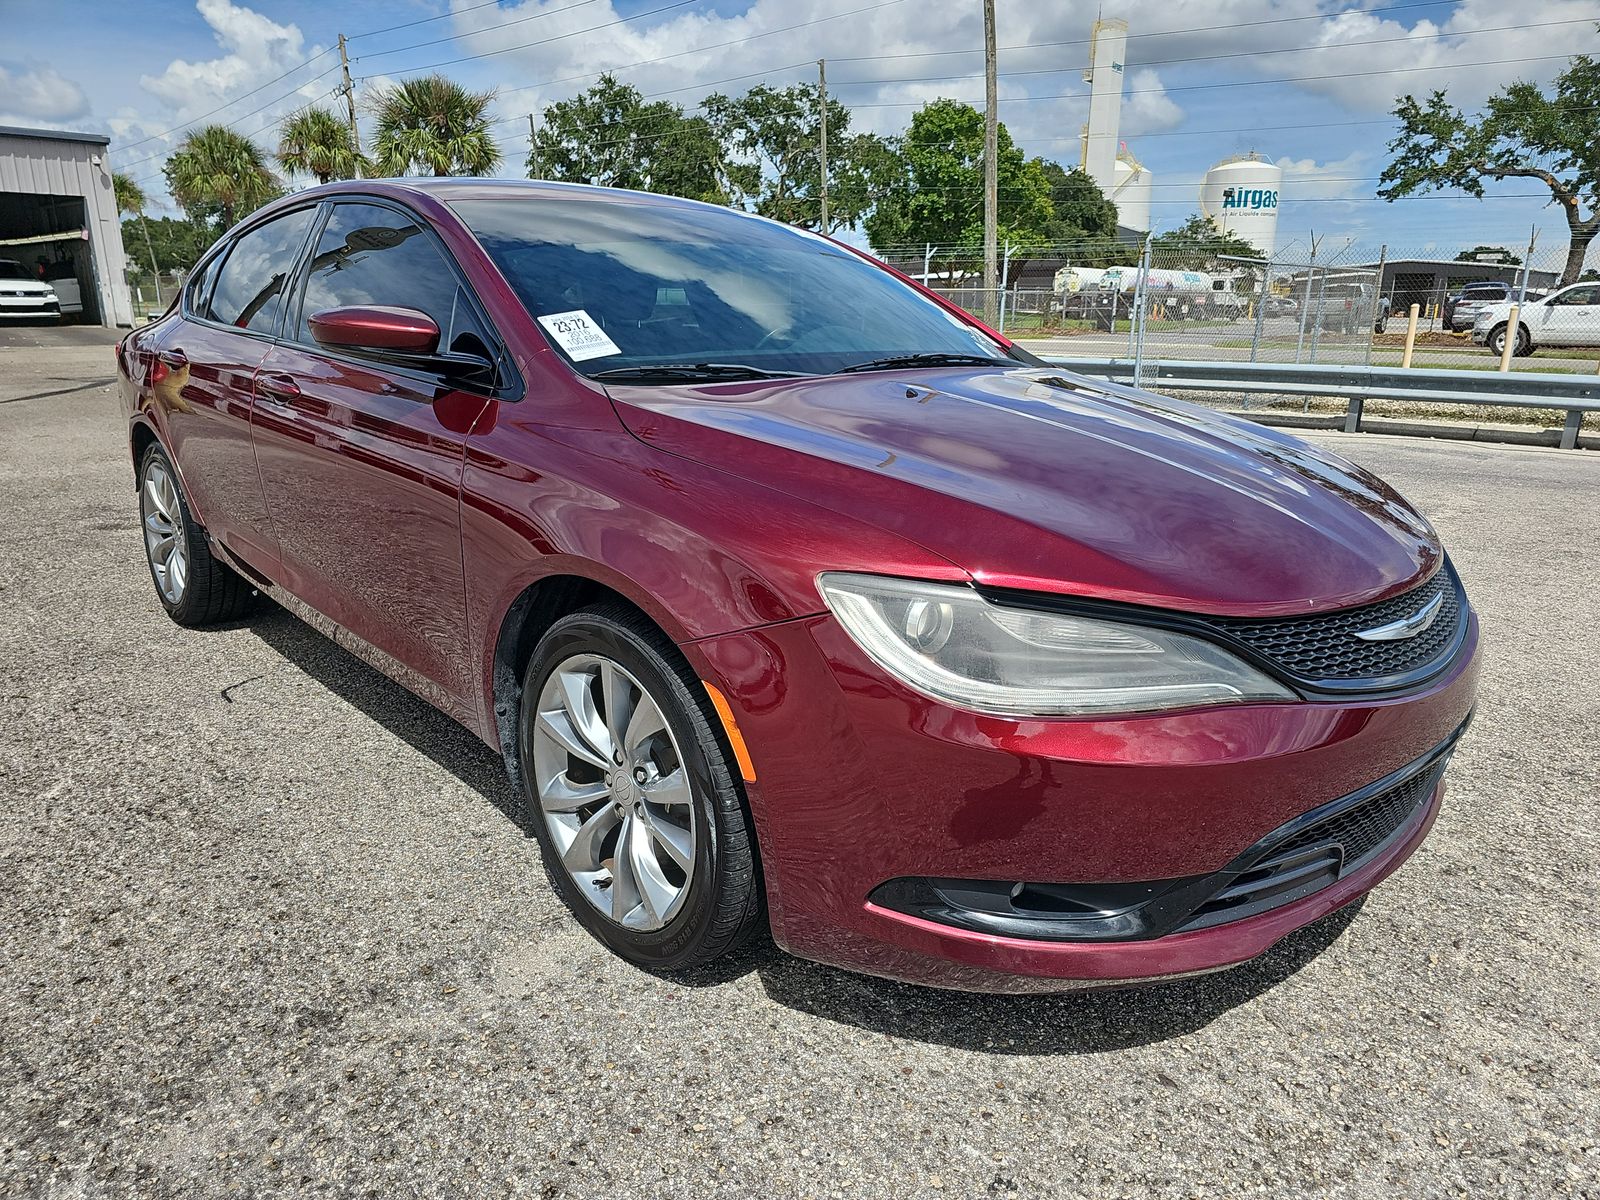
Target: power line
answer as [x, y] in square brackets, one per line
[1198, 58]
[454, 12]
[649, 12]
[245, 116]
[228, 103]
[703, 49]
[547, 12]
[1198, 87]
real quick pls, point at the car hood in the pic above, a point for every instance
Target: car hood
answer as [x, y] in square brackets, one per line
[1038, 479]
[27, 287]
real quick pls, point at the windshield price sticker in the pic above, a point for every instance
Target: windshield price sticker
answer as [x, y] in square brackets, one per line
[579, 335]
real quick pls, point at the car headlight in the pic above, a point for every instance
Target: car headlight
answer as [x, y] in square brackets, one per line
[948, 642]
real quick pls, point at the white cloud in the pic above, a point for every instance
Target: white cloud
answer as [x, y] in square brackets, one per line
[1340, 179]
[1147, 107]
[39, 94]
[257, 49]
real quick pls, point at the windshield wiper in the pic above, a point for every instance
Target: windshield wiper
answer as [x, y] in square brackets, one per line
[928, 360]
[644, 372]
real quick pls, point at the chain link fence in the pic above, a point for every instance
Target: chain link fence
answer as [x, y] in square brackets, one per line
[1301, 305]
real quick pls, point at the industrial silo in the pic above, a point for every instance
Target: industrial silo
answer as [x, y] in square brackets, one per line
[1241, 196]
[1132, 192]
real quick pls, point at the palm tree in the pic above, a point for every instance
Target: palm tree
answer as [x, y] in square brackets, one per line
[216, 172]
[434, 124]
[316, 142]
[131, 200]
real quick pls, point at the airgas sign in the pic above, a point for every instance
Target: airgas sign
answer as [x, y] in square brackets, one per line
[1249, 200]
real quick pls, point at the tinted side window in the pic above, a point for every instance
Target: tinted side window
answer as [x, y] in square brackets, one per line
[249, 288]
[200, 286]
[369, 254]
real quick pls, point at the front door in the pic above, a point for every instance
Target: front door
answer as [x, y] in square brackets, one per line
[361, 462]
[204, 383]
[1571, 318]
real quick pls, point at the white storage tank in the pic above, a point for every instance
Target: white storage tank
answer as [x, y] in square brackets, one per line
[1241, 196]
[1131, 194]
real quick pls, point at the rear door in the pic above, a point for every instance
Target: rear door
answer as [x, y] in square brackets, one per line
[361, 461]
[204, 381]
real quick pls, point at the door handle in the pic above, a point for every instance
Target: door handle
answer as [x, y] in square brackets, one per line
[176, 359]
[281, 388]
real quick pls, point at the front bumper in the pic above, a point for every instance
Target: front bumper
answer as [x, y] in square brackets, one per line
[30, 306]
[861, 782]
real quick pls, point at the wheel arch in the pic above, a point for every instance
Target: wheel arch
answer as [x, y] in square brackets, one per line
[141, 436]
[539, 605]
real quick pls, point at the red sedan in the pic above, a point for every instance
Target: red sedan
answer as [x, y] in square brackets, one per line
[792, 596]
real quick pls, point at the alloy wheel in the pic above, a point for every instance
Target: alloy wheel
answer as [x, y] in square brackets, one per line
[614, 792]
[165, 539]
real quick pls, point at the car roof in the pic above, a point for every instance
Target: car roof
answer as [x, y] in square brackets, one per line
[452, 188]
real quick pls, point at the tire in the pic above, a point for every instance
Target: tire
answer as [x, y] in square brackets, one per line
[657, 860]
[192, 585]
[1497, 342]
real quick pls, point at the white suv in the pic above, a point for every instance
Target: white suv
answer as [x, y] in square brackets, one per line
[1569, 317]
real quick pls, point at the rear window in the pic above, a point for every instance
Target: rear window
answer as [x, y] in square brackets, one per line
[251, 281]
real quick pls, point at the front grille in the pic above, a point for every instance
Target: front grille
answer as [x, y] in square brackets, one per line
[1304, 857]
[1324, 648]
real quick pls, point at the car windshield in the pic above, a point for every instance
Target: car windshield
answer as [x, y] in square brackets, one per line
[12, 270]
[618, 284]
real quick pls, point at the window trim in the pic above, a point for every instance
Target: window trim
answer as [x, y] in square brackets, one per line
[511, 389]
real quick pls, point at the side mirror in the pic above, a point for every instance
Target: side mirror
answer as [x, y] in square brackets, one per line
[379, 330]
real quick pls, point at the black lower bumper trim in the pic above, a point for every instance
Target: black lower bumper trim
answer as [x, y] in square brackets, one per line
[1295, 860]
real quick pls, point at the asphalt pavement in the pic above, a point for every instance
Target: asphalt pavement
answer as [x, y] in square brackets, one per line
[267, 929]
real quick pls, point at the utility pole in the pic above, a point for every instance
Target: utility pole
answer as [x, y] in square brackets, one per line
[822, 102]
[991, 167]
[1527, 265]
[533, 148]
[350, 103]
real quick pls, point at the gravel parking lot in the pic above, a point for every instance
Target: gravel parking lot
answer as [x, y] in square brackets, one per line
[270, 929]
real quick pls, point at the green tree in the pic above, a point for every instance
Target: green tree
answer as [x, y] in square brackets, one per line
[131, 200]
[609, 135]
[1080, 211]
[175, 243]
[1520, 134]
[936, 192]
[317, 142]
[218, 175]
[433, 125]
[1198, 245]
[778, 133]
[1494, 254]
[129, 195]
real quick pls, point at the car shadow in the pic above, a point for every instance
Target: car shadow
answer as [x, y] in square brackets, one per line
[1067, 1023]
[1087, 1022]
[423, 727]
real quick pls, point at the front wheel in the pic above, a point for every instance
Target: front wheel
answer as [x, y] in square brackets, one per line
[633, 794]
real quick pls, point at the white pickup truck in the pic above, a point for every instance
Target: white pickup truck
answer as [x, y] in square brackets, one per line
[1569, 317]
[23, 296]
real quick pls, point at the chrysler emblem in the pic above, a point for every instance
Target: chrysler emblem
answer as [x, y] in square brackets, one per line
[1405, 627]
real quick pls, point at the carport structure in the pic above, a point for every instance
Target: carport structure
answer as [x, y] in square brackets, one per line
[58, 217]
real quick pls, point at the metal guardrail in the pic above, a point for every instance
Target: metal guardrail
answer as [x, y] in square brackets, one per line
[1575, 394]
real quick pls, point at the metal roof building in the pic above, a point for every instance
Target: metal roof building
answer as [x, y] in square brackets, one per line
[58, 217]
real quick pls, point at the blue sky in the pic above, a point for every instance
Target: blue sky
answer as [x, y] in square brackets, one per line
[1307, 84]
